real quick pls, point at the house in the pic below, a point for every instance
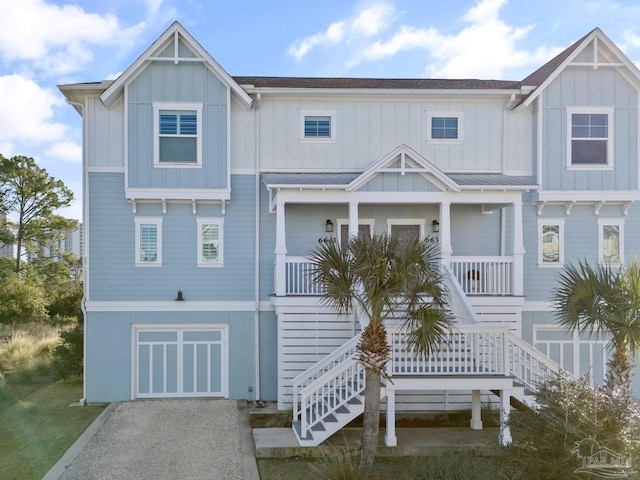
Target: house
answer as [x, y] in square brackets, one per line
[205, 191]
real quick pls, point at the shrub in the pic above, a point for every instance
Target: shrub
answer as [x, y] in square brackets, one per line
[569, 412]
[68, 356]
[26, 350]
[21, 300]
[453, 467]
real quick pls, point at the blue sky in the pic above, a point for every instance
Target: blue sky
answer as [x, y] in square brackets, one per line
[44, 43]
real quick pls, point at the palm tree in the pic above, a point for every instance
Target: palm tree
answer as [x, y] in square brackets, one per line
[382, 277]
[606, 302]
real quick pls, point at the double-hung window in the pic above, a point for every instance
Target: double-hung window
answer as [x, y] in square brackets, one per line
[444, 127]
[210, 242]
[317, 125]
[611, 241]
[590, 143]
[148, 241]
[550, 242]
[178, 134]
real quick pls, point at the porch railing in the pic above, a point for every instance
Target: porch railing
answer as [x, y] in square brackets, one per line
[484, 275]
[476, 275]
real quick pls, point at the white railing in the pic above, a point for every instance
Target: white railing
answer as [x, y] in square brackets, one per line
[528, 365]
[457, 300]
[467, 350]
[484, 275]
[299, 277]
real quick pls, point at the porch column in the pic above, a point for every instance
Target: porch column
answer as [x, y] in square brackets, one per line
[281, 251]
[518, 250]
[476, 411]
[353, 219]
[390, 439]
[505, 408]
[445, 232]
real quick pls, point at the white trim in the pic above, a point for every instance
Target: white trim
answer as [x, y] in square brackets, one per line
[591, 196]
[345, 221]
[194, 106]
[446, 114]
[157, 221]
[200, 222]
[173, 306]
[180, 329]
[407, 221]
[552, 222]
[177, 194]
[332, 114]
[619, 222]
[609, 111]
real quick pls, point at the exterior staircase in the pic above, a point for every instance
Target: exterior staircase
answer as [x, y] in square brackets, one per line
[330, 394]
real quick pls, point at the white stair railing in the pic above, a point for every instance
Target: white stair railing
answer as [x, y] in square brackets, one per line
[458, 301]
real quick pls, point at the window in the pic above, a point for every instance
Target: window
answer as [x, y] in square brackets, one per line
[148, 241]
[550, 242]
[317, 125]
[611, 241]
[590, 137]
[444, 127]
[210, 242]
[406, 228]
[178, 134]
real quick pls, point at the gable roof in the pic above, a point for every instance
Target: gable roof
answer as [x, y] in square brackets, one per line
[542, 77]
[176, 29]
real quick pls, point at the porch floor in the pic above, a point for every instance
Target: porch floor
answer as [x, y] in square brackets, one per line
[427, 441]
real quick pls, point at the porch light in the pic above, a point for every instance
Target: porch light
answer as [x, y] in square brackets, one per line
[179, 297]
[329, 226]
[435, 225]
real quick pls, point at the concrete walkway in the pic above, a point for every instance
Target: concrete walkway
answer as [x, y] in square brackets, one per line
[164, 439]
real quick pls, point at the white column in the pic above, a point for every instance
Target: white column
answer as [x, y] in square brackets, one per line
[476, 411]
[353, 219]
[445, 232]
[518, 250]
[390, 439]
[505, 408]
[281, 251]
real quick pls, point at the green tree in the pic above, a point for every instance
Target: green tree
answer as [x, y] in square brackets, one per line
[602, 301]
[21, 300]
[383, 277]
[62, 282]
[31, 195]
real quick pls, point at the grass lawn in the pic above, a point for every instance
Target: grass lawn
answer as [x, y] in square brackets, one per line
[297, 468]
[37, 425]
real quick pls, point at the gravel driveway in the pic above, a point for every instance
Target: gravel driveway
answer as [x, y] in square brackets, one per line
[168, 439]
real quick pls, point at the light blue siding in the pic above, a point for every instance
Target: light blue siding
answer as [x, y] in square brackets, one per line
[394, 182]
[268, 355]
[590, 87]
[108, 361]
[113, 274]
[185, 82]
[473, 233]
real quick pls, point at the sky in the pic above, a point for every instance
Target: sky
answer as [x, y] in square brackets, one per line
[45, 43]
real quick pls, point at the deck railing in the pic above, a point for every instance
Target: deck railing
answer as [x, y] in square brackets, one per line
[476, 275]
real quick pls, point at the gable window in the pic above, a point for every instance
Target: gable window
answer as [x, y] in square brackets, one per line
[590, 137]
[610, 241]
[178, 134]
[550, 242]
[444, 126]
[317, 125]
[148, 241]
[210, 242]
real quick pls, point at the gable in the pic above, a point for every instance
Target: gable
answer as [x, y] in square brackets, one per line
[397, 171]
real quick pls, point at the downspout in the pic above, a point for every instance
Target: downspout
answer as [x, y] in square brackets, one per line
[257, 248]
[84, 244]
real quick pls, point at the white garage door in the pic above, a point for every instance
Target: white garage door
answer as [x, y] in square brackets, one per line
[180, 362]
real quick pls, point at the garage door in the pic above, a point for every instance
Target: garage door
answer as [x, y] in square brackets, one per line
[181, 362]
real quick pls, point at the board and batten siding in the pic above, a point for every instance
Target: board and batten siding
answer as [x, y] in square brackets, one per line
[185, 82]
[104, 134]
[113, 274]
[369, 128]
[603, 87]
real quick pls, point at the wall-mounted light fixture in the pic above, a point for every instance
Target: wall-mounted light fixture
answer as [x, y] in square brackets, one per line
[328, 226]
[435, 225]
[179, 298]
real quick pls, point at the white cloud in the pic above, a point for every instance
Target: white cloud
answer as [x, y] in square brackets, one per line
[26, 111]
[366, 23]
[65, 150]
[483, 49]
[57, 38]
